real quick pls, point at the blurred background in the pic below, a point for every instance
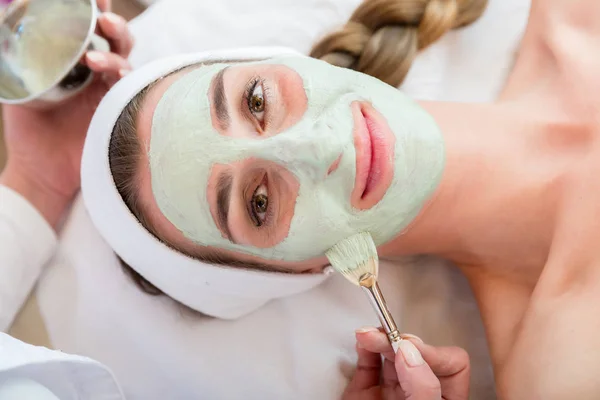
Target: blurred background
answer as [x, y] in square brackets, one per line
[127, 8]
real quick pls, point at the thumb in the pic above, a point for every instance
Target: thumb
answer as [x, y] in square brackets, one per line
[414, 375]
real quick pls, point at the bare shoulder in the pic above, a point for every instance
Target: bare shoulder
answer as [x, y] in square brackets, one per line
[554, 354]
[570, 31]
[560, 46]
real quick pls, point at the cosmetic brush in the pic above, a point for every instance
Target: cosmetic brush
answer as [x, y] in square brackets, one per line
[356, 258]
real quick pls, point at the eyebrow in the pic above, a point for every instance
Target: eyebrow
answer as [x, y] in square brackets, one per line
[220, 99]
[224, 184]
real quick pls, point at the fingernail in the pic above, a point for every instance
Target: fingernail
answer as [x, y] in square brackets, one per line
[112, 18]
[366, 329]
[123, 72]
[411, 354]
[411, 336]
[96, 57]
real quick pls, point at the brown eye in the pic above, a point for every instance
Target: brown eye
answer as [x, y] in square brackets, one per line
[256, 102]
[260, 205]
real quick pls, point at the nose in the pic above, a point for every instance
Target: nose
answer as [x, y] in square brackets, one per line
[334, 166]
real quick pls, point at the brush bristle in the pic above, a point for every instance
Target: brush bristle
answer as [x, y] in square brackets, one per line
[354, 256]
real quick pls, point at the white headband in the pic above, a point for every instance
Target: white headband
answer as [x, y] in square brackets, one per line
[219, 291]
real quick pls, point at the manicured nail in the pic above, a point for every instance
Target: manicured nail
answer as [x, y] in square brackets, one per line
[366, 329]
[123, 72]
[411, 354]
[411, 336]
[96, 57]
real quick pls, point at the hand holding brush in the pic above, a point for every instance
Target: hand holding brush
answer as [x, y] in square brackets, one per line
[411, 370]
[417, 371]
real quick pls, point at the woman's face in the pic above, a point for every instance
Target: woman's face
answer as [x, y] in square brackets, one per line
[278, 160]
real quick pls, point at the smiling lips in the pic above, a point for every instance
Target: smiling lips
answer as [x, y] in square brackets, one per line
[374, 143]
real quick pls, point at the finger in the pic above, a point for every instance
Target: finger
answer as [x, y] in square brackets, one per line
[452, 366]
[114, 29]
[375, 341]
[389, 377]
[104, 5]
[417, 380]
[111, 80]
[108, 63]
[445, 361]
[368, 371]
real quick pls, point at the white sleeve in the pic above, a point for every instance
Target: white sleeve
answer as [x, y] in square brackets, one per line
[32, 372]
[27, 242]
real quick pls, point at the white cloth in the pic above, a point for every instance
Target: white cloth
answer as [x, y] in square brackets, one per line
[26, 369]
[301, 347]
[25, 389]
[27, 243]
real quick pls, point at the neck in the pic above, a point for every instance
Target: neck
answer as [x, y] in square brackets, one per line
[496, 204]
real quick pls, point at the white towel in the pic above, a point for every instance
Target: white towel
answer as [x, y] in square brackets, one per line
[27, 369]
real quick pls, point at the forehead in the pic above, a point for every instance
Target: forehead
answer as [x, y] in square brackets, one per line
[159, 88]
[144, 123]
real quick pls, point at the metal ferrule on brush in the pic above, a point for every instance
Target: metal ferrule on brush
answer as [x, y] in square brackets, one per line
[369, 284]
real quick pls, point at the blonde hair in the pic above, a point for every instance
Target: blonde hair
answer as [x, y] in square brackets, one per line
[383, 37]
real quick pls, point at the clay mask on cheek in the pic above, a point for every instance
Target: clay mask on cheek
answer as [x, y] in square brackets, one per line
[184, 146]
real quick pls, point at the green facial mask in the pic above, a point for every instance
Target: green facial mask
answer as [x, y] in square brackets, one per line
[184, 146]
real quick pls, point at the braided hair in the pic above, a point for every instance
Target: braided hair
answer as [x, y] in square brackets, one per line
[383, 37]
